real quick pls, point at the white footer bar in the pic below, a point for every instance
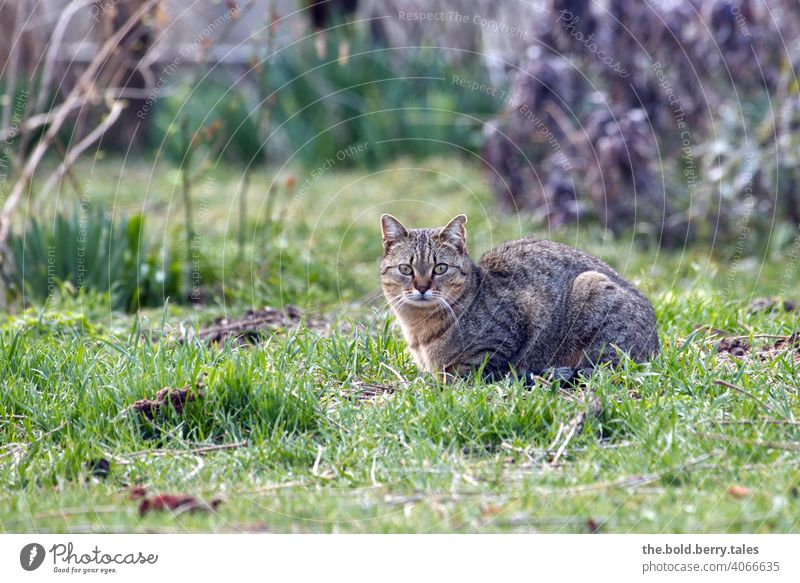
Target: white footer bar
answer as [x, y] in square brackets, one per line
[388, 558]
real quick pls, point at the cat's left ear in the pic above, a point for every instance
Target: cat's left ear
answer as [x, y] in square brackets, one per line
[455, 233]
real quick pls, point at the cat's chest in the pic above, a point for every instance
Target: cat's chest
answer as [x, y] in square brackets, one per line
[423, 360]
[429, 342]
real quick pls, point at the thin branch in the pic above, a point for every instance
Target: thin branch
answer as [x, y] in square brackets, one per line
[626, 482]
[756, 336]
[80, 147]
[733, 387]
[73, 180]
[194, 452]
[576, 422]
[79, 94]
[40, 120]
[755, 422]
[13, 66]
[744, 441]
[593, 407]
[54, 48]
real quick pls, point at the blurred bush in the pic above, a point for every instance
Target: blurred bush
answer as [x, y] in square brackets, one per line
[88, 251]
[677, 120]
[215, 114]
[400, 102]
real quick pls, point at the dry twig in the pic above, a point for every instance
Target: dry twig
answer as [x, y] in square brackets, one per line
[733, 387]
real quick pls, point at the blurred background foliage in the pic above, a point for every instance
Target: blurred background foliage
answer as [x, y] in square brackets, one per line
[669, 122]
[86, 249]
[400, 102]
[671, 119]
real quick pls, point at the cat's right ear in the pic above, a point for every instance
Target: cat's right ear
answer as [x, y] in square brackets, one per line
[455, 233]
[393, 231]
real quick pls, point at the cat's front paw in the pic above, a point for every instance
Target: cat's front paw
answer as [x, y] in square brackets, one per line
[445, 377]
[449, 374]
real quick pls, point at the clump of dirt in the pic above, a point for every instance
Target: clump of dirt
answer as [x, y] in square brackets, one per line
[734, 345]
[786, 343]
[771, 305]
[249, 328]
[739, 347]
[792, 341]
[172, 502]
[177, 398]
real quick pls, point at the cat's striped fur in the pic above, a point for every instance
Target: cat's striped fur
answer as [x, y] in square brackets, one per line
[528, 305]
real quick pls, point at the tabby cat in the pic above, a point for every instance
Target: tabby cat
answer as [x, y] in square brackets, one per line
[529, 305]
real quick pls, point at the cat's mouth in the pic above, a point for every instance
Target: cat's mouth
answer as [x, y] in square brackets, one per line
[421, 299]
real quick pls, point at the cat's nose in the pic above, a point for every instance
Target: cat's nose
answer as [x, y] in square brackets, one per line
[422, 286]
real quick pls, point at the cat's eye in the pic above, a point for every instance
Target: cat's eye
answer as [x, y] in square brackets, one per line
[405, 269]
[440, 268]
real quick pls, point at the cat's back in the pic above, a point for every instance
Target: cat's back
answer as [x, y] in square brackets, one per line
[529, 255]
[543, 266]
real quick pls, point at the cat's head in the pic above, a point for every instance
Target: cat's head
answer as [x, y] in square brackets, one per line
[424, 268]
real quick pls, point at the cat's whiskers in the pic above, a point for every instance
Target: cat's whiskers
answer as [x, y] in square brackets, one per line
[382, 311]
[456, 302]
[396, 302]
[441, 298]
[379, 296]
[389, 303]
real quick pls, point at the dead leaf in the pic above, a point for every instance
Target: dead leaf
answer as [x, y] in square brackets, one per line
[137, 492]
[490, 510]
[173, 502]
[739, 492]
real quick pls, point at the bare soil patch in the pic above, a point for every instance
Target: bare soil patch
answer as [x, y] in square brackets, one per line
[252, 326]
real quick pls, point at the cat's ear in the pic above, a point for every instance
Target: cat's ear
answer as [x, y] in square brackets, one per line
[393, 231]
[455, 233]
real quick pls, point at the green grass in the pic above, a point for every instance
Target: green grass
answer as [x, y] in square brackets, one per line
[658, 452]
